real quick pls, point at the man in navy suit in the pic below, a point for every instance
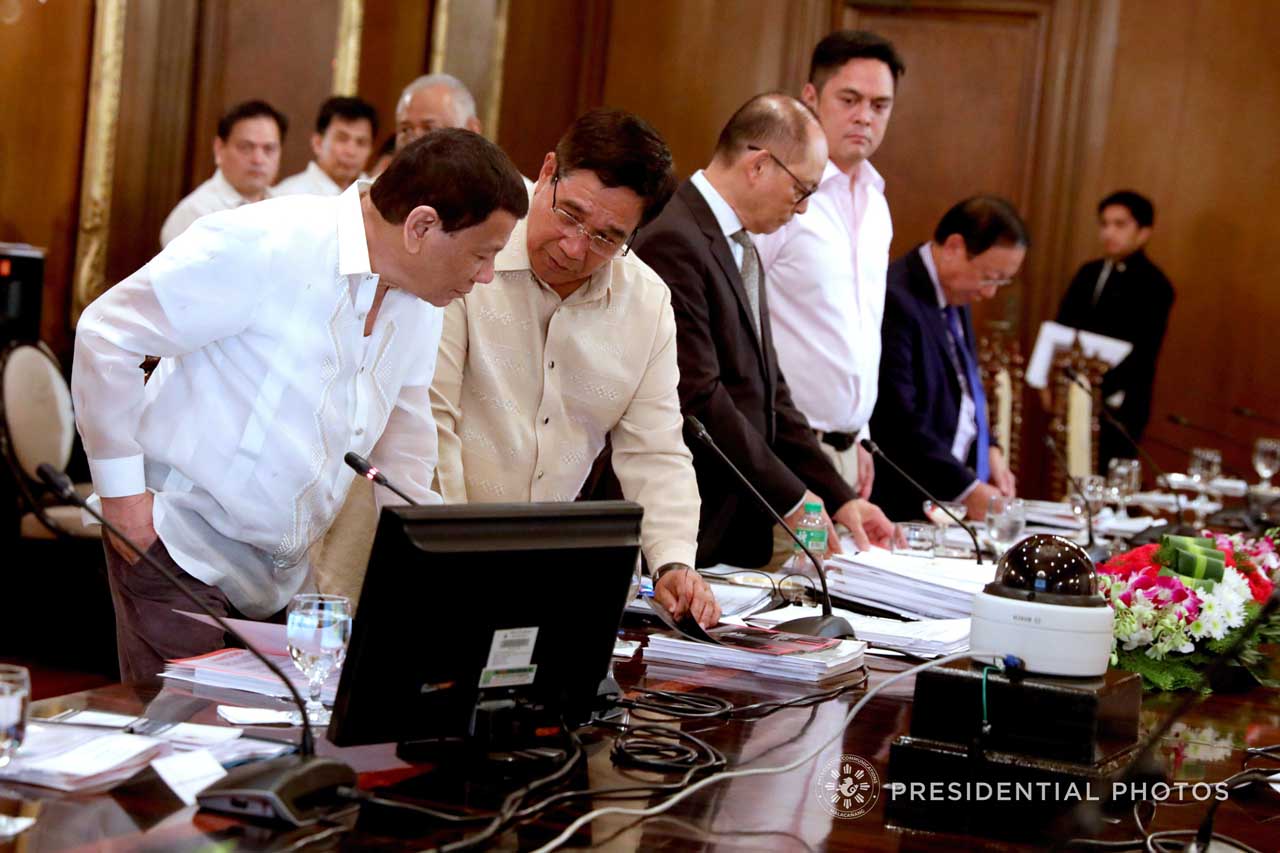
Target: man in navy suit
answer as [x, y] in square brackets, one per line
[931, 415]
[767, 163]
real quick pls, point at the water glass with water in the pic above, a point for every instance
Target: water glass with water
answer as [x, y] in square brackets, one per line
[1006, 519]
[1124, 478]
[1266, 459]
[1205, 466]
[318, 629]
[914, 539]
[15, 696]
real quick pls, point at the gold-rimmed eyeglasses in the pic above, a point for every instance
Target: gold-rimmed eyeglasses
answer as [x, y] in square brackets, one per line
[605, 247]
[802, 190]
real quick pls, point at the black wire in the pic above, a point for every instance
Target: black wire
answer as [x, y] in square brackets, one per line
[725, 577]
[702, 758]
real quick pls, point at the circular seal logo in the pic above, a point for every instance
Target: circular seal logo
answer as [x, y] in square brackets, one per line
[847, 787]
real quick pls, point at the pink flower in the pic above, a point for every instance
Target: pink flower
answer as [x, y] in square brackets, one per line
[1164, 592]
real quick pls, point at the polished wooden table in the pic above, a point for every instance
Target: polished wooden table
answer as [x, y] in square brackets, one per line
[775, 812]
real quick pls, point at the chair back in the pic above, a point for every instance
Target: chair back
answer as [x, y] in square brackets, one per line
[36, 419]
[1002, 366]
[1075, 404]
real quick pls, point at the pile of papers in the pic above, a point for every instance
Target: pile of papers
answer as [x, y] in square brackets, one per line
[80, 758]
[912, 587]
[927, 638]
[238, 669]
[843, 656]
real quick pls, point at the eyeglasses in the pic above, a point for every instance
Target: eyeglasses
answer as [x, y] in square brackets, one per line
[603, 246]
[802, 190]
[988, 280]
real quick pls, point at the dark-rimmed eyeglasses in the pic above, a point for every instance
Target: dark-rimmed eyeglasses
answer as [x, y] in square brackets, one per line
[605, 247]
[802, 190]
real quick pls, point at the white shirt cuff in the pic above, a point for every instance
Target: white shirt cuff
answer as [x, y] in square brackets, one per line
[967, 491]
[118, 478]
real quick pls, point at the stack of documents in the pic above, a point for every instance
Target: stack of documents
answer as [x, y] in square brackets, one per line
[238, 669]
[80, 758]
[926, 638]
[814, 666]
[913, 587]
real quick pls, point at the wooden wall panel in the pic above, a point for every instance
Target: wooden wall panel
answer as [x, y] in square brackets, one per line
[953, 133]
[44, 82]
[1192, 122]
[279, 52]
[541, 96]
[153, 129]
[395, 47]
[687, 66]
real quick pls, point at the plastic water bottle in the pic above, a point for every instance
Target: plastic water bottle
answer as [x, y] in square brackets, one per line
[812, 530]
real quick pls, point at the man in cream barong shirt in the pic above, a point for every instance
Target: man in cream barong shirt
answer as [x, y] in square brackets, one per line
[575, 342]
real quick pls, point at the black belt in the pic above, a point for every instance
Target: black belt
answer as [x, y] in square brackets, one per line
[839, 441]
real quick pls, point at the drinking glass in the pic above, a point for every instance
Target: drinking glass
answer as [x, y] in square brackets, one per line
[1006, 519]
[914, 539]
[1266, 459]
[1124, 478]
[943, 523]
[1093, 497]
[1205, 466]
[318, 629]
[15, 695]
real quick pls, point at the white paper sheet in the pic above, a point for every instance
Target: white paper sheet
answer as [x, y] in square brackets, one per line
[1054, 336]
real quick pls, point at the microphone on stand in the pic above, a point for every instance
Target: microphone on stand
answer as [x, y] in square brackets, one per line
[874, 449]
[1181, 421]
[1255, 415]
[365, 469]
[272, 788]
[826, 625]
[1096, 553]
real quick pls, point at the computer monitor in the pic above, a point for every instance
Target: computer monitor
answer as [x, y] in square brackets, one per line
[467, 604]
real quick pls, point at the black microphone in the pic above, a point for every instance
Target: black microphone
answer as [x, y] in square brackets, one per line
[1098, 555]
[826, 625]
[307, 774]
[1255, 415]
[362, 467]
[874, 449]
[1181, 421]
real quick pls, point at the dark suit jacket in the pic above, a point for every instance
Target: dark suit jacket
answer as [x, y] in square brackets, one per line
[731, 383]
[1134, 307]
[918, 406]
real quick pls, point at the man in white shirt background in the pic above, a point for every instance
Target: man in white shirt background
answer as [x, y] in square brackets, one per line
[345, 130]
[289, 332]
[825, 270]
[246, 151]
[575, 343]
[436, 100]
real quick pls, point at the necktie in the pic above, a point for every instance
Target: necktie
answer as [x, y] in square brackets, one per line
[750, 270]
[975, 391]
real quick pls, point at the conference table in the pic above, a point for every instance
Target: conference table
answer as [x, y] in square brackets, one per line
[780, 812]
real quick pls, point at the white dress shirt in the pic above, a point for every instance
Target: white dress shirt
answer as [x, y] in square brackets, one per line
[213, 195]
[967, 421]
[310, 181]
[266, 380]
[825, 277]
[528, 386]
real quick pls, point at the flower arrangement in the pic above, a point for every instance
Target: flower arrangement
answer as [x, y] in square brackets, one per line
[1181, 601]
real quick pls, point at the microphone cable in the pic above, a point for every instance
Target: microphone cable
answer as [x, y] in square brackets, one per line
[698, 706]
